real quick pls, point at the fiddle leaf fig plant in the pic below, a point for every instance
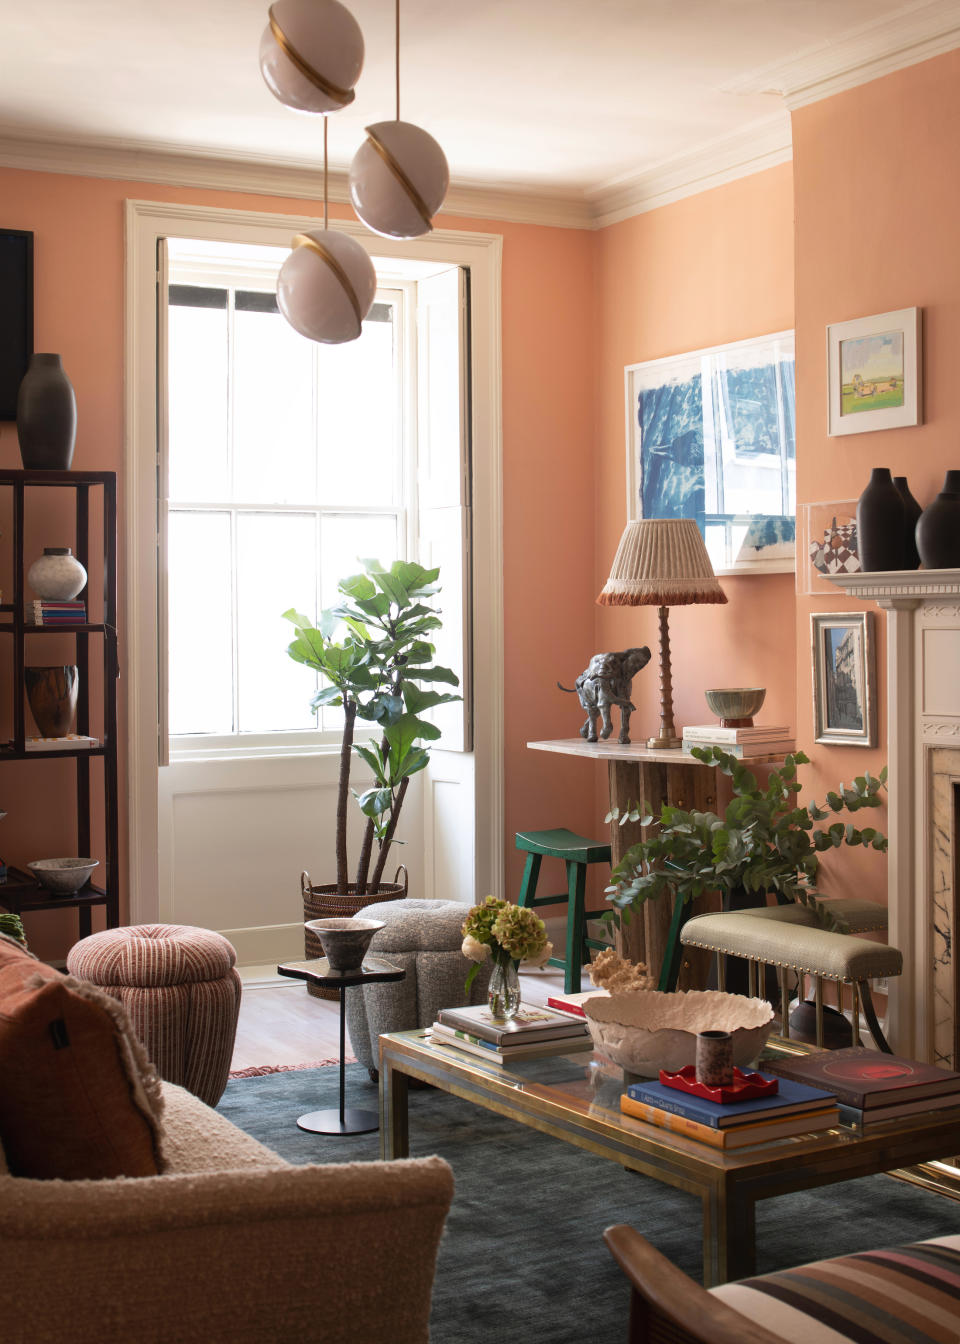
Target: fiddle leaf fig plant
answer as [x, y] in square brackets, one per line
[766, 840]
[375, 671]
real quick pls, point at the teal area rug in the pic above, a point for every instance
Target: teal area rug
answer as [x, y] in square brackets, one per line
[522, 1256]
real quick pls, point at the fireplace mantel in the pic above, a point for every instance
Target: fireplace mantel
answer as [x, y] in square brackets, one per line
[923, 749]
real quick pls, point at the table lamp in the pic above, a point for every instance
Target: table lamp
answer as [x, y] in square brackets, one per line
[662, 562]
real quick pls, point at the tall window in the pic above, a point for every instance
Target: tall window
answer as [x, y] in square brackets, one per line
[287, 462]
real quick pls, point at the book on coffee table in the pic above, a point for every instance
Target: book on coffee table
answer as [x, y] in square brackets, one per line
[573, 1003]
[865, 1078]
[791, 1099]
[529, 1024]
[537, 1049]
[763, 1129]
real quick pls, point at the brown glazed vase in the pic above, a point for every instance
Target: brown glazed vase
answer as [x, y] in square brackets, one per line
[52, 695]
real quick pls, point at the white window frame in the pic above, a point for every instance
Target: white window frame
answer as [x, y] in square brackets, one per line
[260, 276]
[146, 224]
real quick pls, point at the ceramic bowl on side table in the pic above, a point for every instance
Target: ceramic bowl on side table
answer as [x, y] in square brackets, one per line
[63, 877]
[735, 706]
[345, 941]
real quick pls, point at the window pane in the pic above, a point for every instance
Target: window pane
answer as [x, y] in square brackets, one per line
[199, 621]
[348, 538]
[276, 566]
[197, 358]
[274, 447]
[359, 416]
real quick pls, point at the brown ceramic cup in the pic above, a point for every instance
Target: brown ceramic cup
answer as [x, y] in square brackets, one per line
[714, 1058]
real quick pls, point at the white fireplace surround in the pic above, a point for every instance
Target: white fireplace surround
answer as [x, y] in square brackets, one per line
[923, 754]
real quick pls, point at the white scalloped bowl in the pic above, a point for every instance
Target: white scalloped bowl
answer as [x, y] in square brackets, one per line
[648, 1030]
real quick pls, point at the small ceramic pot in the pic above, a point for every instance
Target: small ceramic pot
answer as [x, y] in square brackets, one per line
[52, 696]
[57, 575]
[714, 1058]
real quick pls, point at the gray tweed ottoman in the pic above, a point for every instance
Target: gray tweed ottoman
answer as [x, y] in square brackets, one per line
[422, 937]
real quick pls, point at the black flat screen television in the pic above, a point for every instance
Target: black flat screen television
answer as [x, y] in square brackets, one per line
[16, 315]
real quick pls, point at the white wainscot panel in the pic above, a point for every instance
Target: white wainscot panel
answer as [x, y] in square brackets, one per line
[941, 671]
[452, 848]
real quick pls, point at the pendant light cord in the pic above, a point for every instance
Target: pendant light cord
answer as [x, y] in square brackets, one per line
[325, 124]
[397, 53]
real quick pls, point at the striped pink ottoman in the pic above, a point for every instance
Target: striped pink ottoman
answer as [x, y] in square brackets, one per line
[181, 990]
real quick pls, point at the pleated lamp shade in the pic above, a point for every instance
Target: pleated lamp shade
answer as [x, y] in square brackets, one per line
[661, 562]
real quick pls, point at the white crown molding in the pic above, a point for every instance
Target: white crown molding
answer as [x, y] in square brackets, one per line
[915, 32]
[135, 162]
[763, 144]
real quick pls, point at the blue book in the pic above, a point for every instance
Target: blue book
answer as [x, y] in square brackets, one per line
[792, 1098]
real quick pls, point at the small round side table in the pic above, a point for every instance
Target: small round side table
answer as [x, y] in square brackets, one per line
[319, 972]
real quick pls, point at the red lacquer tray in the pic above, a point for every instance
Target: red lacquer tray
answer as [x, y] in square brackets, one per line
[744, 1086]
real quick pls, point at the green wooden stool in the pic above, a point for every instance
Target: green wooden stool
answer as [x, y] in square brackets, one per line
[576, 851]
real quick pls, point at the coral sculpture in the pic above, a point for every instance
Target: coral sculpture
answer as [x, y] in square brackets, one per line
[618, 976]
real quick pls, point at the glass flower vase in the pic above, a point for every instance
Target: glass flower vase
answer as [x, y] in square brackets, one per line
[503, 992]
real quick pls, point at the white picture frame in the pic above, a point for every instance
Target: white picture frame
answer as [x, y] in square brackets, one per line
[720, 440]
[844, 678]
[874, 372]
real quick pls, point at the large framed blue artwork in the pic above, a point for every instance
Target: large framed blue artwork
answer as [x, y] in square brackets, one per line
[711, 435]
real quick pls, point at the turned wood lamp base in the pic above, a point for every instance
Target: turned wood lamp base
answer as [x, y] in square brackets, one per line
[667, 739]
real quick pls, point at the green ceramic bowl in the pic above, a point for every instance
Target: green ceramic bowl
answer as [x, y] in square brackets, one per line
[736, 702]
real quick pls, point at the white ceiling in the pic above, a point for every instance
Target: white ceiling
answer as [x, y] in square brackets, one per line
[561, 97]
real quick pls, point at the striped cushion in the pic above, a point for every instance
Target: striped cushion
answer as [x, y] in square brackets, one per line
[181, 991]
[904, 1295]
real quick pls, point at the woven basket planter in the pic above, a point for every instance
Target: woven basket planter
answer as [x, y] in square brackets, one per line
[326, 902]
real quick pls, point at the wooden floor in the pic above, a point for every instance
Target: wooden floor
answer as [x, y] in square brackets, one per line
[280, 1023]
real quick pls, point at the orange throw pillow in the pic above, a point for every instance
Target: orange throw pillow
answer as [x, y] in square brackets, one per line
[78, 1097]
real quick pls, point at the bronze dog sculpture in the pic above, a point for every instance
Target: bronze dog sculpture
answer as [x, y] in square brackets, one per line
[607, 682]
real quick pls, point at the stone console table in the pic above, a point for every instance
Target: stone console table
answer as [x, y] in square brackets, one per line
[654, 777]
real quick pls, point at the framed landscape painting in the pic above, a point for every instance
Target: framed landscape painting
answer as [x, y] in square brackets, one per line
[711, 436]
[844, 678]
[874, 372]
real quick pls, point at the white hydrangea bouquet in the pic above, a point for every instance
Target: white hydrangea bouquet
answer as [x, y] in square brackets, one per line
[507, 934]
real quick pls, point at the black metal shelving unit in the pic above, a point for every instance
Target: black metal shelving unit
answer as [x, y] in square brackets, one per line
[21, 893]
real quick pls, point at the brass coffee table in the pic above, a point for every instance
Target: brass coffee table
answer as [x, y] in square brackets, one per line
[576, 1098]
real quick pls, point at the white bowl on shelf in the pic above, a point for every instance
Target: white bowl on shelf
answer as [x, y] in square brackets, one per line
[62, 876]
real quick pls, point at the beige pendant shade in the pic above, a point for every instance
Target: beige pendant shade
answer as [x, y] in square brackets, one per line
[661, 562]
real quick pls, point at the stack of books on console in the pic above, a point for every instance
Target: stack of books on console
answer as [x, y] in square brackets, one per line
[761, 740]
[532, 1033]
[46, 612]
[795, 1108]
[871, 1086]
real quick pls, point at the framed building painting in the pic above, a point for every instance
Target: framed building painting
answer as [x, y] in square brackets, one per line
[874, 372]
[844, 678]
[711, 436]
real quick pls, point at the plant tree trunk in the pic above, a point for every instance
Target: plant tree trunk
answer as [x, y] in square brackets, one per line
[363, 865]
[388, 837]
[343, 790]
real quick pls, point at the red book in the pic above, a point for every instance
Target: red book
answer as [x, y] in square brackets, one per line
[867, 1078]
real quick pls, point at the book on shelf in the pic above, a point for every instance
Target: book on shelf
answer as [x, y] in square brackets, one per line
[865, 1078]
[70, 742]
[713, 732]
[791, 1099]
[739, 1136]
[46, 612]
[476, 1045]
[745, 751]
[861, 1119]
[573, 1003]
[529, 1024]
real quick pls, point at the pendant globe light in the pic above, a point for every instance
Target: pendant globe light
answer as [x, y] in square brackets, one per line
[327, 284]
[399, 175]
[311, 54]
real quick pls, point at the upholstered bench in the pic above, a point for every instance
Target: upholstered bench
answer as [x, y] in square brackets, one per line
[904, 1293]
[181, 989]
[423, 938]
[765, 937]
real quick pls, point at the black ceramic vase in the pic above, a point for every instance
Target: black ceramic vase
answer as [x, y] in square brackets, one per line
[46, 415]
[938, 531]
[911, 516]
[880, 523]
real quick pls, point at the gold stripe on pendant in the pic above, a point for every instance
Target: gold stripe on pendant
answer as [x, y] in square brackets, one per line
[416, 200]
[302, 240]
[333, 91]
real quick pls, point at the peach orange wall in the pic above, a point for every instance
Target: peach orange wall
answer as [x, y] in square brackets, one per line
[713, 268]
[549, 364]
[877, 202]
